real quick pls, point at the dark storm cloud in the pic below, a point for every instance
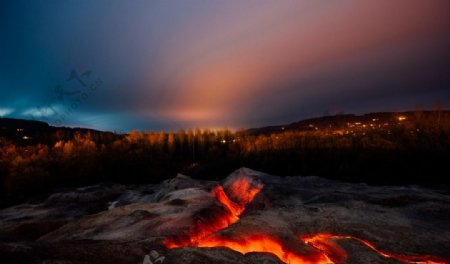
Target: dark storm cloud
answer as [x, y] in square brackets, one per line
[170, 64]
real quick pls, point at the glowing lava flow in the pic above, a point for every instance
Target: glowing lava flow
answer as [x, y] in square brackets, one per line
[243, 190]
[266, 244]
[323, 242]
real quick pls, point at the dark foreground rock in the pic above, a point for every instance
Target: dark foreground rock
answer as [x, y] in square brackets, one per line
[124, 223]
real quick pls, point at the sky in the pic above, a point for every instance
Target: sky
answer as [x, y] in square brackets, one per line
[169, 64]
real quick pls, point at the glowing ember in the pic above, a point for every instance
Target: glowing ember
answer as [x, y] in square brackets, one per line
[242, 191]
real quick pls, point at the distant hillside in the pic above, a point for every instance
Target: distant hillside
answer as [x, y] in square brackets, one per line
[347, 122]
[30, 132]
[378, 148]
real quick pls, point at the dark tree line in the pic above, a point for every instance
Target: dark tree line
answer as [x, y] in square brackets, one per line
[416, 151]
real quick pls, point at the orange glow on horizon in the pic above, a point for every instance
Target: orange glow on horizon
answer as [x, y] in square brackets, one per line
[213, 78]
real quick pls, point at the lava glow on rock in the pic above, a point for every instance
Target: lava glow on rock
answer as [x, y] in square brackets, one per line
[323, 249]
[265, 243]
[323, 242]
[242, 189]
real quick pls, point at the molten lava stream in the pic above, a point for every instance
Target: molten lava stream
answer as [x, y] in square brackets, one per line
[322, 242]
[266, 244]
[202, 235]
[243, 191]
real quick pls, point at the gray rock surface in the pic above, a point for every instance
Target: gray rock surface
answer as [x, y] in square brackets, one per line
[123, 223]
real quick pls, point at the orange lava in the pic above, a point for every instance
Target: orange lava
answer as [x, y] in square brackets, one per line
[234, 209]
[267, 244]
[324, 243]
[242, 191]
[243, 188]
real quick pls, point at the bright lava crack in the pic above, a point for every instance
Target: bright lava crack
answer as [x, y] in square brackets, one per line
[323, 249]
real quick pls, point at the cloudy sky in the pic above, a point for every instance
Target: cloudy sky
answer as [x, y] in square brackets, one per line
[122, 65]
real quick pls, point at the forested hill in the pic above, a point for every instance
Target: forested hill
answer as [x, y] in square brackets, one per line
[386, 148]
[345, 121]
[30, 132]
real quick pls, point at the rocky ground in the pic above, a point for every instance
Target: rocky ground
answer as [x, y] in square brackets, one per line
[130, 223]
